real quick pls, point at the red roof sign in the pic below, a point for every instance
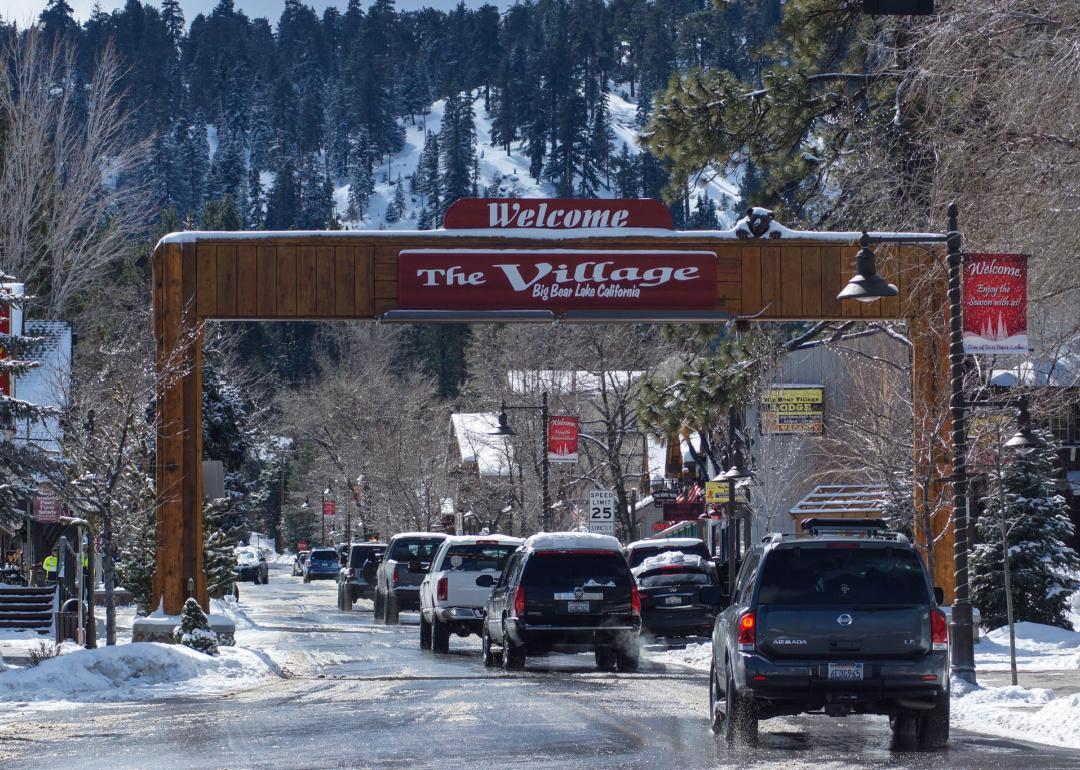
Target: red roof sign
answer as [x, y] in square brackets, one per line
[556, 214]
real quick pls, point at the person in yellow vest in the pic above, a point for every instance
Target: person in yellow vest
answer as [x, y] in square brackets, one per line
[49, 565]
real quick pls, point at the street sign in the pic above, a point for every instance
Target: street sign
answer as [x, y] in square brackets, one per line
[717, 492]
[602, 511]
[662, 496]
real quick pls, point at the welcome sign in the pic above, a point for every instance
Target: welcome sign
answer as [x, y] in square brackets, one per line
[995, 303]
[555, 279]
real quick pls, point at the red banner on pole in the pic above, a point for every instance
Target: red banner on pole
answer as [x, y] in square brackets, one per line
[329, 507]
[995, 303]
[556, 214]
[555, 279]
[563, 439]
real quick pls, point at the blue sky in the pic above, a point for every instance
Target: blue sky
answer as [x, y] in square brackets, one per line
[23, 11]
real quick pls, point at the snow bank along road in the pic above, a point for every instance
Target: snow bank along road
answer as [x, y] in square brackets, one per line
[353, 694]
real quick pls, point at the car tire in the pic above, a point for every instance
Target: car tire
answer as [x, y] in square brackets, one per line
[391, 613]
[485, 645]
[256, 579]
[378, 610]
[904, 728]
[513, 657]
[425, 633]
[307, 579]
[440, 636]
[716, 714]
[740, 719]
[627, 662]
[932, 727]
[607, 658]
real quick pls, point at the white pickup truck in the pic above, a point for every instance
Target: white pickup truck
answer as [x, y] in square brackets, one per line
[454, 592]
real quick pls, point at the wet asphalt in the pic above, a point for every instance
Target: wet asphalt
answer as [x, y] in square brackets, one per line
[353, 694]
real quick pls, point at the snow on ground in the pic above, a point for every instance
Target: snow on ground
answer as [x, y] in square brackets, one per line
[1034, 714]
[1038, 648]
[132, 672]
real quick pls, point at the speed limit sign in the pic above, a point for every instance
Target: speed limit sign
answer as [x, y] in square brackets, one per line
[602, 511]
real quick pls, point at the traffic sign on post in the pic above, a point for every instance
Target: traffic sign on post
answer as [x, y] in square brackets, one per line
[602, 511]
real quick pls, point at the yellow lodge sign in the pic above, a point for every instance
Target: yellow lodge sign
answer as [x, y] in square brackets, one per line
[792, 409]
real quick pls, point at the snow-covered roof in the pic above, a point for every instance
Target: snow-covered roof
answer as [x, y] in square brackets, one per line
[572, 541]
[665, 542]
[492, 455]
[670, 559]
[1037, 373]
[433, 535]
[567, 381]
[474, 539]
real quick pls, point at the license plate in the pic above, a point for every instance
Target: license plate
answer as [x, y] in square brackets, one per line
[673, 600]
[845, 671]
[577, 606]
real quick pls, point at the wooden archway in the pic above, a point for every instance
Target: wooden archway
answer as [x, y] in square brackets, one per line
[200, 276]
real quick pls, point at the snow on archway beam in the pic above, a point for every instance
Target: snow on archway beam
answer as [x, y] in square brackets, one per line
[548, 316]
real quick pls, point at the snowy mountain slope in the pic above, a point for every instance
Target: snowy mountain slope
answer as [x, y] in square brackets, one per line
[509, 170]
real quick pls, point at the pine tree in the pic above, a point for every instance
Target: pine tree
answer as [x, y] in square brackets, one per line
[254, 215]
[627, 176]
[398, 203]
[457, 146]
[222, 214]
[427, 177]
[194, 630]
[138, 561]
[596, 170]
[283, 208]
[361, 181]
[219, 557]
[424, 219]
[1037, 527]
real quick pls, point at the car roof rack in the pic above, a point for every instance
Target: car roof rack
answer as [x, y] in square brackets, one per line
[876, 528]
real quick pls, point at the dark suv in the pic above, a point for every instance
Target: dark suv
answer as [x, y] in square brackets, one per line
[399, 574]
[352, 584]
[564, 591]
[669, 586]
[842, 621]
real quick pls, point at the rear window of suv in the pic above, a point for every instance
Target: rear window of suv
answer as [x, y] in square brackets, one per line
[842, 575]
[669, 577]
[576, 570]
[408, 550]
[362, 553]
[474, 558]
[638, 555]
[328, 555]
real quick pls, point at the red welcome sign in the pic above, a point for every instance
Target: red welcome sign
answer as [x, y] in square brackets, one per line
[555, 279]
[995, 303]
[562, 439]
[329, 507]
[556, 214]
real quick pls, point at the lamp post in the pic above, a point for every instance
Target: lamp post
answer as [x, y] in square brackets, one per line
[504, 429]
[868, 286]
[736, 472]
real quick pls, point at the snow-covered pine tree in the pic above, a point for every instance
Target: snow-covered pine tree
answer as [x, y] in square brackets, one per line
[427, 173]
[20, 461]
[361, 181]
[596, 171]
[457, 145]
[627, 179]
[254, 215]
[1037, 528]
[399, 204]
[219, 558]
[423, 220]
[137, 562]
[194, 630]
[393, 213]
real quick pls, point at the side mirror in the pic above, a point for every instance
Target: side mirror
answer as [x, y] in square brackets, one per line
[485, 581]
[713, 595]
[939, 595]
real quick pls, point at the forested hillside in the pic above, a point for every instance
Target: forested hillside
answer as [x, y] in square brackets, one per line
[295, 122]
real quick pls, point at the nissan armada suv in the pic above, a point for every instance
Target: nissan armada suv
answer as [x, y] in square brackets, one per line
[843, 621]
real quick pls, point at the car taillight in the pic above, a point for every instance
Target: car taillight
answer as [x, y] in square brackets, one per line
[747, 631]
[519, 601]
[442, 589]
[394, 576]
[939, 630]
[635, 600]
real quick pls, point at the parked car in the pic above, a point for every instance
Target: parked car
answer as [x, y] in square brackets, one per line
[455, 590]
[251, 565]
[669, 584]
[298, 563]
[352, 584]
[322, 564]
[837, 622]
[564, 591]
[397, 577]
[640, 550]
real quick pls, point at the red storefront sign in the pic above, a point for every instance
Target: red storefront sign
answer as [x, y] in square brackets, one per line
[47, 506]
[995, 303]
[555, 279]
[329, 507]
[556, 214]
[562, 439]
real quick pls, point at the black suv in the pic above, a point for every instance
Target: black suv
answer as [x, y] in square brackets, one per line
[669, 586]
[564, 591]
[352, 584]
[842, 621]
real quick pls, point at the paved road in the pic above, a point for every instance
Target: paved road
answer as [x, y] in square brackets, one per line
[353, 694]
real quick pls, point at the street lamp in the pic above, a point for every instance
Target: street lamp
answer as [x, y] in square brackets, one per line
[863, 288]
[505, 429]
[1023, 438]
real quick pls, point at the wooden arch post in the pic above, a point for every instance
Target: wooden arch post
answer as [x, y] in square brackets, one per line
[768, 273]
